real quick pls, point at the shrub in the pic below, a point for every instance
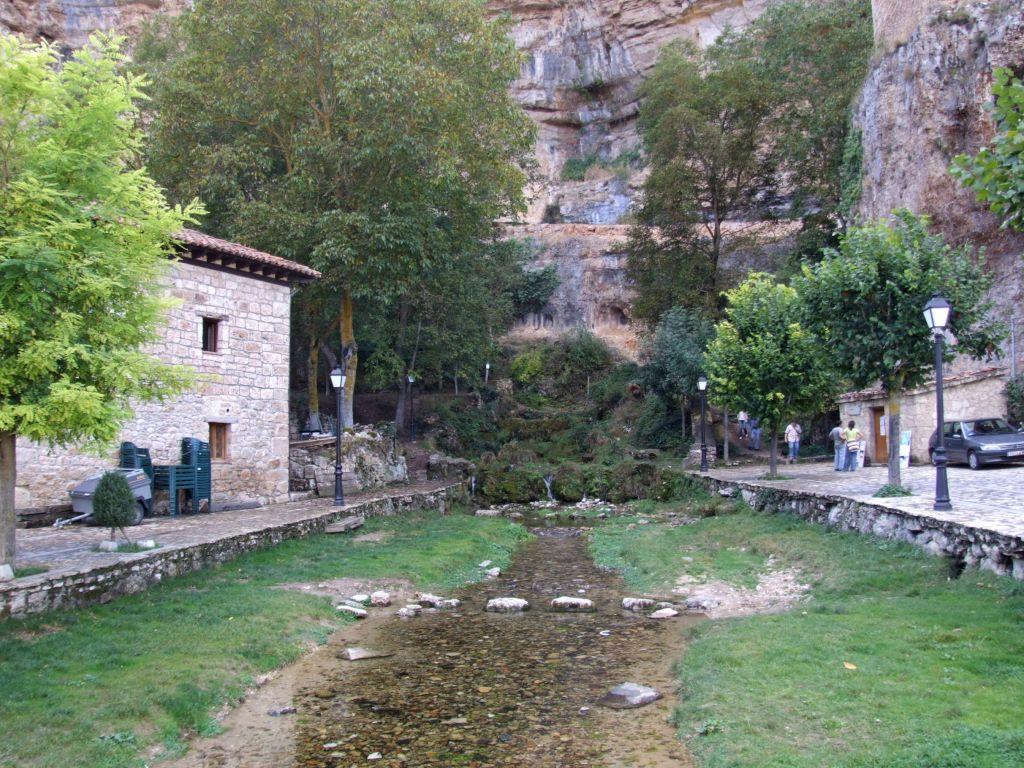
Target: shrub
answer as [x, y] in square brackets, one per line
[630, 480]
[612, 389]
[658, 426]
[576, 356]
[501, 483]
[570, 483]
[113, 503]
[1014, 392]
[528, 366]
[575, 168]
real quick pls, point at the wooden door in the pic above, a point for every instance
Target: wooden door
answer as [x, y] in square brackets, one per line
[881, 433]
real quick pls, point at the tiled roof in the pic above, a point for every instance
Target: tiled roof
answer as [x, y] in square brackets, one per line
[873, 393]
[264, 264]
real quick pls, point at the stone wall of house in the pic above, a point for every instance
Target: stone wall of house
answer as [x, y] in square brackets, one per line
[369, 459]
[244, 384]
[969, 397]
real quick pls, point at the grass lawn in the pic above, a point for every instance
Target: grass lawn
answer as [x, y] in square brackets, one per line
[937, 677]
[99, 687]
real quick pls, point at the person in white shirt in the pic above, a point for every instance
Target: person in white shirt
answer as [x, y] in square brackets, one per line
[793, 432]
[743, 418]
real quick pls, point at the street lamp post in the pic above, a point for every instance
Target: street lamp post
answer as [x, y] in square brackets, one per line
[412, 408]
[487, 372]
[338, 379]
[702, 385]
[936, 312]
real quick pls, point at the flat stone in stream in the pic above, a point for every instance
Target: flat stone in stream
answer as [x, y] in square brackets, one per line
[359, 613]
[381, 599]
[572, 604]
[442, 603]
[637, 603]
[412, 609]
[507, 605]
[664, 613]
[358, 654]
[629, 696]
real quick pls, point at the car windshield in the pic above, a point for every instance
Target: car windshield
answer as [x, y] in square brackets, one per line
[989, 427]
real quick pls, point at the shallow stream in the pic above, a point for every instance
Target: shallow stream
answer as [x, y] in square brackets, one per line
[471, 688]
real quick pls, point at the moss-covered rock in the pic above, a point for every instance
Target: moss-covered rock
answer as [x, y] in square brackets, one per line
[502, 483]
[570, 483]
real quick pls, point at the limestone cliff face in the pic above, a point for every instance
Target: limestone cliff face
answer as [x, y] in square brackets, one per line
[68, 23]
[924, 103]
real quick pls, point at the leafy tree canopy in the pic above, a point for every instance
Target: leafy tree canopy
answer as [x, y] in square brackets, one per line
[85, 236]
[764, 360]
[996, 173]
[676, 352]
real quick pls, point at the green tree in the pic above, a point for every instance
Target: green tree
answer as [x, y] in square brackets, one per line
[765, 360]
[702, 124]
[867, 299]
[373, 140]
[85, 237]
[676, 357]
[996, 173]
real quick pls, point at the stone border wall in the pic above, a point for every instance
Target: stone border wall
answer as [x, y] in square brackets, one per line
[39, 594]
[971, 546]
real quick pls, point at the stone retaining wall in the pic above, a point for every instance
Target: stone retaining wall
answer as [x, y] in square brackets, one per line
[39, 594]
[971, 546]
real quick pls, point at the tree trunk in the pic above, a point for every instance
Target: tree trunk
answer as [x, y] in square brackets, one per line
[349, 353]
[312, 372]
[725, 442]
[773, 461]
[401, 417]
[894, 438]
[8, 475]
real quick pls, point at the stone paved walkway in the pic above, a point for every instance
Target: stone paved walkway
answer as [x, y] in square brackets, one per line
[990, 499]
[72, 549]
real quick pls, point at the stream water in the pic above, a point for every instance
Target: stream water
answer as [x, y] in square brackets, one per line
[470, 688]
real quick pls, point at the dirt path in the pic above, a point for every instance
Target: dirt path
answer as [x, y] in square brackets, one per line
[472, 688]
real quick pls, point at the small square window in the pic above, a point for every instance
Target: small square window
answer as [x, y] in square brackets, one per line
[219, 441]
[211, 334]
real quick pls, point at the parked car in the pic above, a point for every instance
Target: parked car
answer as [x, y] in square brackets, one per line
[977, 442]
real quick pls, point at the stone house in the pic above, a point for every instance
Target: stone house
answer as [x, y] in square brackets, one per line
[231, 324]
[970, 394]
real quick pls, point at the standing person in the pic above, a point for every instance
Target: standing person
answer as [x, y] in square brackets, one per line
[755, 434]
[838, 438]
[743, 418]
[793, 432]
[853, 440]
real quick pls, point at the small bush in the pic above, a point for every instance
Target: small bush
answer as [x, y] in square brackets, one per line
[612, 389]
[570, 483]
[658, 426]
[113, 503]
[889, 491]
[575, 168]
[528, 366]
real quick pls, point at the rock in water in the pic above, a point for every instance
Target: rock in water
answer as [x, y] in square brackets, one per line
[425, 598]
[701, 603]
[629, 696]
[358, 654]
[493, 573]
[637, 603]
[449, 605]
[572, 604]
[664, 613]
[381, 599]
[410, 610]
[507, 605]
[352, 610]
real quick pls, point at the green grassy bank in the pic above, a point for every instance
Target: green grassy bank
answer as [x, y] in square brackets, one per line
[937, 677]
[98, 687]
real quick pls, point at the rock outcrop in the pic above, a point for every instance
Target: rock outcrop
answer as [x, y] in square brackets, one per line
[924, 103]
[368, 460]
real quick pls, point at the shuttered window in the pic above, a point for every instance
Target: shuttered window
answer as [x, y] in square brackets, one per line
[219, 448]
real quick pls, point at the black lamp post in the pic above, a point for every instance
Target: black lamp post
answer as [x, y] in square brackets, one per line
[702, 385]
[487, 372]
[936, 312]
[338, 379]
[412, 408]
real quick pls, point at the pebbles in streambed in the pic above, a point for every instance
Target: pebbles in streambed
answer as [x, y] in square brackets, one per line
[507, 605]
[441, 603]
[637, 603]
[381, 599]
[629, 696]
[351, 610]
[572, 604]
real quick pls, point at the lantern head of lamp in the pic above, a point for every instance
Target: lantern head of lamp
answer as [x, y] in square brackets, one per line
[936, 313]
[338, 378]
[702, 382]
[411, 378]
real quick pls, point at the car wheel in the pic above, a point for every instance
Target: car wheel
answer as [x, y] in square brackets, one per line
[973, 461]
[139, 513]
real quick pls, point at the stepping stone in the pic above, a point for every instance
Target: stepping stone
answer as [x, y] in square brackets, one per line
[351, 610]
[488, 513]
[358, 654]
[629, 696]
[485, 564]
[637, 603]
[381, 599]
[493, 573]
[361, 599]
[701, 603]
[664, 613]
[346, 524]
[412, 609]
[507, 605]
[572, 604]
